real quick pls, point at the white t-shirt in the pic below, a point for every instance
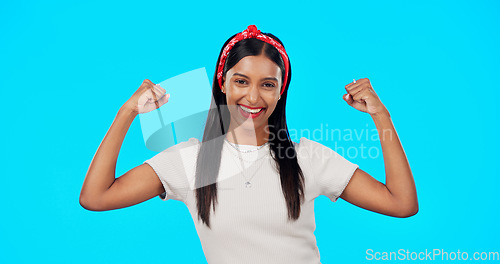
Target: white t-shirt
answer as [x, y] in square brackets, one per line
[250, 225]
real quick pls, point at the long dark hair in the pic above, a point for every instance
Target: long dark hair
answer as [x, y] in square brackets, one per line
[281, 147]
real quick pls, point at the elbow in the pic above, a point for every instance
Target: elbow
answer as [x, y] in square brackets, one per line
[408, 211]
[88, 204]
[85, 204]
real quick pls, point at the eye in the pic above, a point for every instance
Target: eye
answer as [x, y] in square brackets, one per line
[269, 85]
[240, 81]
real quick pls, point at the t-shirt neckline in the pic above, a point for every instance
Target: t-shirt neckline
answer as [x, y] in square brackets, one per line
[256, 153]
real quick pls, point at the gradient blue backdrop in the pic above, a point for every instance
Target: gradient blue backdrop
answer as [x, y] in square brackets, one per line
[67, 67]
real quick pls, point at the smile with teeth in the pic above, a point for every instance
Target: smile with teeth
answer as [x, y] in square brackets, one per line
[251, 111]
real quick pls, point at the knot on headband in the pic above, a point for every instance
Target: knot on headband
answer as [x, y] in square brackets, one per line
[252, 32]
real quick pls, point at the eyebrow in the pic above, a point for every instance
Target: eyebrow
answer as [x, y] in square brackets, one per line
[267, 78]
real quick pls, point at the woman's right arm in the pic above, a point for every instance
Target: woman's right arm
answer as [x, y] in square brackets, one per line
[101, 191]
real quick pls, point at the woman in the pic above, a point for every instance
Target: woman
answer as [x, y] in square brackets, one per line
[248, 187]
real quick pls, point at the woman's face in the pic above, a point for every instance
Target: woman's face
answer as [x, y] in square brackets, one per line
[254, 83]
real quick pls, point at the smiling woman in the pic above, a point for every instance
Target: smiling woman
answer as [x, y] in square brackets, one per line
[249, 188]
[269, 83]
[251, 93]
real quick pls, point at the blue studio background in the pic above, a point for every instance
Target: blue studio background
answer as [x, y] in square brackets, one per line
[67, 67]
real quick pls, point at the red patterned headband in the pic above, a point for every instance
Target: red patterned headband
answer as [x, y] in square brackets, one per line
[252, 32]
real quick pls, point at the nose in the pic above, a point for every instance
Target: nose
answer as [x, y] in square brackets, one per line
[253, 94]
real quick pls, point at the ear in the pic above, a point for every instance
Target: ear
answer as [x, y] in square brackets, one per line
[223, 84]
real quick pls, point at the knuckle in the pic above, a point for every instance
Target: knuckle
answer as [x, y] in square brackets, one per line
[147, 82]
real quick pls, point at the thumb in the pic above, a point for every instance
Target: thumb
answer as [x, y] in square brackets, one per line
[163, 100]
[348, 98]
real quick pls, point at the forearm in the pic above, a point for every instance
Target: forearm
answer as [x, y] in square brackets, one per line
[101, 173]
[399, 178]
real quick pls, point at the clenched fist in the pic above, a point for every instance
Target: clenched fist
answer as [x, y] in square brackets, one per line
[148, 97]
[361, 96]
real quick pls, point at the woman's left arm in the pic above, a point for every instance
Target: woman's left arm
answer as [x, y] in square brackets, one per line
[398, 196]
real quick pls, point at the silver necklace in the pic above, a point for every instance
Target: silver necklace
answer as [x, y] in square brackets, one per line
[248, 184]
[245, 151]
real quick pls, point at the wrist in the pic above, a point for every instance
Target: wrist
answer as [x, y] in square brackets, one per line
[128, 111]
[382, 113]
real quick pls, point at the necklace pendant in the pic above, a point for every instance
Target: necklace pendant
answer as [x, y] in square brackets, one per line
[248, 184]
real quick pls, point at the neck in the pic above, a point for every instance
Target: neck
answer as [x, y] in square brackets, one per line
[243, 136]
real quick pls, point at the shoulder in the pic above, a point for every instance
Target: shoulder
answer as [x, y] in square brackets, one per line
[318, 154]
[178, 153]
[312, 149]
[189, 145]
[307, 143]
[330, 171]
[177, 159]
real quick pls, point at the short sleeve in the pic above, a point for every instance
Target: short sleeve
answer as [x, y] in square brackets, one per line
[173, 166]
[331, 171]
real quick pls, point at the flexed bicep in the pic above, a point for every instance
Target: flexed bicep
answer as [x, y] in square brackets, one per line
[367, 192]
[135, 186]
